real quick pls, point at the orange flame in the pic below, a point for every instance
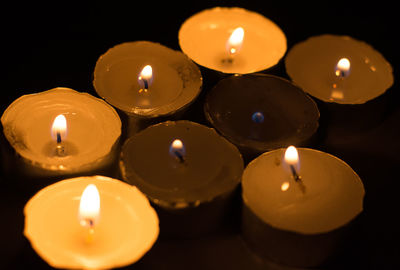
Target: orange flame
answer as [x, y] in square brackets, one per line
[59, 127]
[89, 207]
[235, 41]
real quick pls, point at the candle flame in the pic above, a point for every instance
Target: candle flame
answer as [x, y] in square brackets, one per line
[292, 159]
[59, 127]
[177, 144]
[235, 41]
[177, 149]
[146, 73]
[89, 207]
[145, 77]
[342, 68]
[291, 155]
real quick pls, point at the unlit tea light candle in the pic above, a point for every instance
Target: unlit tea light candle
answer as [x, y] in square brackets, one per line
[259, 112]
[61, 132]
[91, 222]
[232, 40]
[146, 80]
[298, 204]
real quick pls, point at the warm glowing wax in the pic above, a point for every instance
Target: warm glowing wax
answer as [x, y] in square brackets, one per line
[93, 129]
[126, 231]
[299, 222]
[209, 36]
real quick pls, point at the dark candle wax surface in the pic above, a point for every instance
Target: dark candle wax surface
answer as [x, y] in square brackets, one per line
[211, 166]
[261, 112]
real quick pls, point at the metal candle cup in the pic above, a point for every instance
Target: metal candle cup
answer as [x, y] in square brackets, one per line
[347, 77]
[91, 145]
[192, 181]
[295, 226]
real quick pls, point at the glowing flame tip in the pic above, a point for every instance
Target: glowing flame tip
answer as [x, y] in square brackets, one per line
[146, 73]
[291, 155]
[177, 144]
[235, 41]
[89, 206]
[342, 67]
[59, 127]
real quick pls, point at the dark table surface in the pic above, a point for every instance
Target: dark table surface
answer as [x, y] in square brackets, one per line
[52, 45]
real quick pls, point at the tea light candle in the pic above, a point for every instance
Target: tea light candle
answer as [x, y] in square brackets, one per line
[61, 132]
[298, 205]
[339, 69]
[145, 81]
[232, 40]
[187, 170]
[347, 78]
[258, 112]
[123, 225]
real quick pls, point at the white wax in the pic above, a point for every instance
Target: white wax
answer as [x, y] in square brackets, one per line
[203, 38]
[93, 126]
[333, 197]
[126, 230]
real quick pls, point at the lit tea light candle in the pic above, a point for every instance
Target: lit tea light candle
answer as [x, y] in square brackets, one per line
[61, 132]
[146, 81]
[348, 79]
[360, 72]
[298, 214]
[127, 229]
[232, 40]
[197, 173]
[258, 112]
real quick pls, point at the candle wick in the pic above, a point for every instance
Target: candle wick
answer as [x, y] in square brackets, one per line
[90, 235]
[298, 179]
[58, 137]
[179, 156]
[294, 173]
[146, 84]
[339, 79]
[229, 59]
[231, 56]
[340, 73]
[60, 150]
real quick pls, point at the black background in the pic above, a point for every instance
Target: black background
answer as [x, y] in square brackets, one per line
[50, 45]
